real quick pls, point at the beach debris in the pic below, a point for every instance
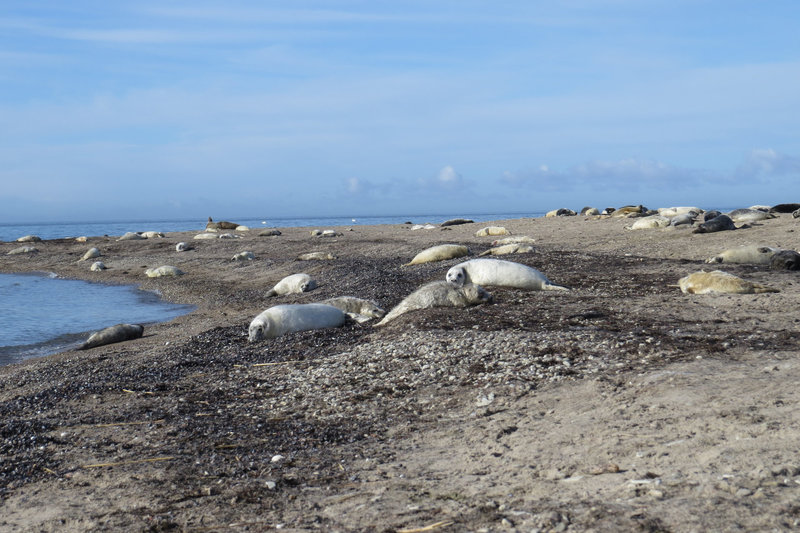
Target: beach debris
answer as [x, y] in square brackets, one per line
[163, 271]
[439, 253]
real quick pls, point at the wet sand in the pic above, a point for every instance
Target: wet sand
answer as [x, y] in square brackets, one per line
[620, 405]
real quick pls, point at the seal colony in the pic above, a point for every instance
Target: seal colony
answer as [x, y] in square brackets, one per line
[580, 381]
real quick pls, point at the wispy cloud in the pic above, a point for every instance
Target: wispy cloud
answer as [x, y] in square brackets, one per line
[765, 163]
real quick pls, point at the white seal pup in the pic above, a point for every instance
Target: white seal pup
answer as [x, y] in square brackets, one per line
[500, 273]
[118, 333]
[628, 211]
[653, 221]
[718, 223]
[358, 309]
[316, 256]
[163, 271]
[97, 266]
[23, 250]
[492, 230]
[422, 226]
[131, 236]
[675, 211]
[505, 249]
[439, 253]
[439, 294]
[718, 281]
[182, 247]
[269, 233]
[325, 233]
[293, 284]
[201, 236]
[30, 238]
[152, 235]
[282, 319]
[749, 215]
[244, 256]
[91, 254]
[683, 219]
[753, 253]
[516, 239]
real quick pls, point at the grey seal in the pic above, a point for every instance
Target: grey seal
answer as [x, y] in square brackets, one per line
[708, 215]
[439, 253]
[439, 294]
[785, 260]
[753, 253]
[718, 223]
[500, 273]
[749, 215]
[223, 224]
[112, 334]
[718, 281]
[163, 271]
[785, 208]
[456, 222]
[358, 309]
[289, 318]
[293, 284]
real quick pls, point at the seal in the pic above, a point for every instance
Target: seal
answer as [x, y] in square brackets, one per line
[131, 236]
[244, 256]
[796, 214]
[30, 238]
[708, 215]
[293, 284]
[201, 236]
[439, 294]
[97, 266]
[718, 223]
[628, 210]
[785, 208]
[749, 215]
[316, 256]
[491, 231]
[500, 273]
[785, 260]
[422, 226]
[505, 249]
[358, 309]
[718, 281]
[164, 271]
[753, 253]
[590, 211]
[563, 212]
[182, 247]
[91, 254]
[211, 225]
[675, 211]
[152, 235]
[439, 253]
[289, 318]
[516, 239]
[653, 221]
[110, 335]
[456, 222]
[683, 219]
[269, 233]
[23, 250]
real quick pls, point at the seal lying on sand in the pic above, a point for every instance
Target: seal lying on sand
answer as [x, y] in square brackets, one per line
[718, 223]
[505, 249]
[755, 254]
[23, 250]
[118, 333]
[282, 319]
[439, 253]
[163, 271]
[500, 273]
[293, 284]
[439, 294]
[91, 254]
[749, 215]
[492, 230]
[223, 224]
[718, 281]
[316, 256]
[784, 208]
[358, 309]
[455, 222]
[785, 260]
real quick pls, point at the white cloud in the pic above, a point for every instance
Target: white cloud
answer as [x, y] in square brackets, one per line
[765, 163]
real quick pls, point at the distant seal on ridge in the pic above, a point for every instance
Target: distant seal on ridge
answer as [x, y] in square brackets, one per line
[439, 294]
[223, 224]
[459, 221]
[500, 273]
[293, 284]
[289, 318]
[112, 334]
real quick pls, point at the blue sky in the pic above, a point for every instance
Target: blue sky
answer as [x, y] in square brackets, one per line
[181, 109]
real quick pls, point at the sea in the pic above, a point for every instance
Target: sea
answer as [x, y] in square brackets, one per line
[41, 314]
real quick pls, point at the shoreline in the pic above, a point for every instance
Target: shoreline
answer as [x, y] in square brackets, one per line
[621, 404]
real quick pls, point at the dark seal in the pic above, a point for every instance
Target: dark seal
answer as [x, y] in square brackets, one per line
[785, 260]
[718, 223]
[118, 333]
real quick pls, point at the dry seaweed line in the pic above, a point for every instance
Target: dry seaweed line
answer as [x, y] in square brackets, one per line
[113, 424]
[133, 462]
[431, 527]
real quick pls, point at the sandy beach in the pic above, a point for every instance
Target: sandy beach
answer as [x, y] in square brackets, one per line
[621, 405]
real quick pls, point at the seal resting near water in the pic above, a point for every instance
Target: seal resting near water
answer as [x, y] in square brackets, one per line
[500, 273]
[439, 294]
[288, 318]
[91, 254]
[118, 333]
[439, 253]
[293, 284]
[718, 281]
[223, 224]
[163, 271]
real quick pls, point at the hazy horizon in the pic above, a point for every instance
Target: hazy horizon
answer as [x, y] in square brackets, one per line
[144, 110]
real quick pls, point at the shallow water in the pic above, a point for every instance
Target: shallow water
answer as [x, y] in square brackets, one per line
[42, 314]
